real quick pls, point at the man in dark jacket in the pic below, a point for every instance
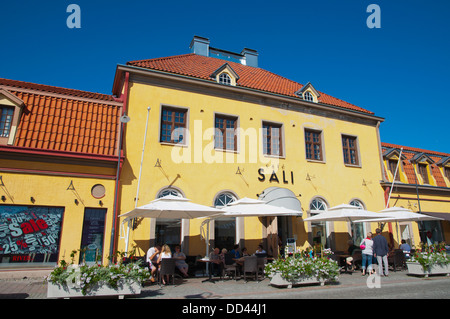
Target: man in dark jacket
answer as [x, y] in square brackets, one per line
[381, 251]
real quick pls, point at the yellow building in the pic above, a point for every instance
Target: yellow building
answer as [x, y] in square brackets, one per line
[213, 127]
[58, 164]
[422, 184]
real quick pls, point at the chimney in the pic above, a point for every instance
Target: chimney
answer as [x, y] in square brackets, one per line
[251, 57]
[200, 46]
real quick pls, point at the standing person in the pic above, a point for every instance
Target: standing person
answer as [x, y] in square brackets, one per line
[367, 253]
[381, 251]
[152, 259]
[165, 253]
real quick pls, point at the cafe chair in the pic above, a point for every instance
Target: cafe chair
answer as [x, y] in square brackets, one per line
[261, 262]
[250, 266]
[230, 266]
[167, 268]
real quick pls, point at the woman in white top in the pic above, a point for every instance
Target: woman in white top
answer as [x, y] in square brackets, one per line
[367, 253]
[165, 253]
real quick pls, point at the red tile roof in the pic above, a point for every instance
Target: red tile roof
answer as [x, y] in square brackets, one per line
[60, 119]
[201, 67]
[410, 152]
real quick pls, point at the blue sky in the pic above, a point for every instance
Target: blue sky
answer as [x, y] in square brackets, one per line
[399, 71]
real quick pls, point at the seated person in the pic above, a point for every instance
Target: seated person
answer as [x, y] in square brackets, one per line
[180, 262]
[152, 259]
[216, 262]
[235, 252]
[406, 248]
[260, 251]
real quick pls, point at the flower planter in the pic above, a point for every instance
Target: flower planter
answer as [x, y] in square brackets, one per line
[415, 268]
[278, 281]
[129, 287]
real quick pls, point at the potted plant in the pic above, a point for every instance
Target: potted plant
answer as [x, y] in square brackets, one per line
[429, 260]
[301, 269]
[71, 280]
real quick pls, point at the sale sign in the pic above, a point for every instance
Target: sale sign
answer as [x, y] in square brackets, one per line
[29, 233]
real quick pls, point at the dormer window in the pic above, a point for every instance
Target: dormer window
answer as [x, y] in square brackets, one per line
[11, 108]
[307, 96]
[224, 78]
[6, 117]
[225, 75]
[308, 93]
[423, 171]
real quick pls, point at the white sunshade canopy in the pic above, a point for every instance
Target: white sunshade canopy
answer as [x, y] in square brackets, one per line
[345, 213]
[393, 214]
[247, 207]
[171, 207]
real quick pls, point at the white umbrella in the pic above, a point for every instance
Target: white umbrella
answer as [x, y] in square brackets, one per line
[396, 214]
[344, 213]
[168, 207]
[246, 207]
[393, 214]
[172, 207]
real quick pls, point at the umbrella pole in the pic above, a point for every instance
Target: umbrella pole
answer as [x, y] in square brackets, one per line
[127, 238]
[139, 182]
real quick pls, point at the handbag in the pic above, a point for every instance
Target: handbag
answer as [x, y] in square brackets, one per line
[362, 246]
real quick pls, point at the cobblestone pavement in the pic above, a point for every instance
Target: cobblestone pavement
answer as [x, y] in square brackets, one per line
[29, 285]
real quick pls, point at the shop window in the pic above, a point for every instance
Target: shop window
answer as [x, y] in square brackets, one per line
[173, 125]
[93, 235]
[29, 234]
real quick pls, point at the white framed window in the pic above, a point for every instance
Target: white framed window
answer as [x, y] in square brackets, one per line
[307, 96]
[319, 230]
[169, 191]
[224, 78]
[224, 199]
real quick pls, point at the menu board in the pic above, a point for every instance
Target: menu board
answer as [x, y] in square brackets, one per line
[29, 233]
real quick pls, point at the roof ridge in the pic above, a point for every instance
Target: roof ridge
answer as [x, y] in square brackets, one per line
[53, 89]
[414, 149]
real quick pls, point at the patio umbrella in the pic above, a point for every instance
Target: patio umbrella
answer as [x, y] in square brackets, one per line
[246, 207]
[168, 207]
[172, 207]
[344, 213]
[399, 214]
[393, 214]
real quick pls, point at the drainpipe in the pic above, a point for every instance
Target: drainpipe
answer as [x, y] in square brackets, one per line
[124, 99]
